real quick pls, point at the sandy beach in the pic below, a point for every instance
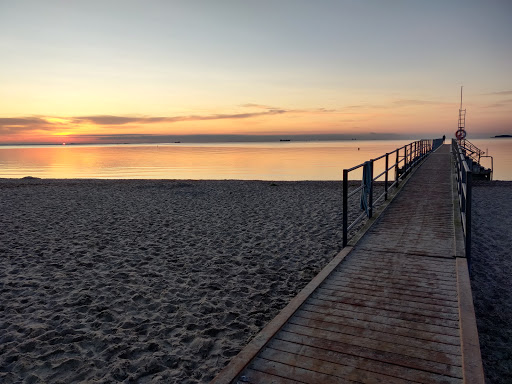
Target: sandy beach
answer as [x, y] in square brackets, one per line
[490, 280]
[165, 281]
[151, 281]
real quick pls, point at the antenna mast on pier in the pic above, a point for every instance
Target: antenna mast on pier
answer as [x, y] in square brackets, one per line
[461, 131]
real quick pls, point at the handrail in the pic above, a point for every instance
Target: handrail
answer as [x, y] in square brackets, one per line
[464, 177]
[406, 158]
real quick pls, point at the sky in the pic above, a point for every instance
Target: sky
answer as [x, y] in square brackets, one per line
[150, 71]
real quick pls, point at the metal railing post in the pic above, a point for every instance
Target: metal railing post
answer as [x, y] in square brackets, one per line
[405, 161]
[345, 207]
[462, 183]
[386, 178]
[370, 198]
[469, 179]
[397, 179]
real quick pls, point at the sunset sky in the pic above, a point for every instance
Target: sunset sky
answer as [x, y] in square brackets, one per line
[124, 71]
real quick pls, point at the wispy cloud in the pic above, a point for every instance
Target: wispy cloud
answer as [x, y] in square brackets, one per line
[18, 124]
[413, 102]
[500, 104]
[499, 93]
[255, 105]
[122, 120]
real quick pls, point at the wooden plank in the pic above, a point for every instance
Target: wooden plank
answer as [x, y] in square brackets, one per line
[448, 283]
[381, 304]
[398, 282]
[340, 371]
[372, 299]
[354, 284]
[392, 372]
[403, 350]
[377, 335]
[385, 312]
[384, 320]
[397, 268]
[251, 376]
[391, 329]
[416, 252]
[363, 351]
[429, 287]
[404, 266]
[240, 361]
[402, 263]
[296, 373]
[471, 356]
[386, 294]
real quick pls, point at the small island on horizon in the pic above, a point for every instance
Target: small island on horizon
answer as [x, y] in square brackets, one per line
[501, 136]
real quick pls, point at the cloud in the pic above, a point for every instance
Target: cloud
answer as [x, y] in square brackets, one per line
[25, 123]
[253, 105]
[500, 104]
[357, 108]
[34, 122]
[499, 93]
[412, 102]
[106, 120]
[17, 124]
[121, 120]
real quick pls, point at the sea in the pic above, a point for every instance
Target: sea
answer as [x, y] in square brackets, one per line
[279, 161]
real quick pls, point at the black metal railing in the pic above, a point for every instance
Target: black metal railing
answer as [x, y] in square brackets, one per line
[464, 177]
[405, 159]
[474, 156]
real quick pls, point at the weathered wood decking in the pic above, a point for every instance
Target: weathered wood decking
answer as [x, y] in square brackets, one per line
[395, 308]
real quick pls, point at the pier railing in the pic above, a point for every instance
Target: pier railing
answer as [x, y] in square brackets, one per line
[464, 177]
[397, 164]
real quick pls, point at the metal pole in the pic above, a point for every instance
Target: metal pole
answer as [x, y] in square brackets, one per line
[397, 179]
[405, 161]
[370, 203]
[462, 182]
[345, 207]
[469, 179]
[386, 178]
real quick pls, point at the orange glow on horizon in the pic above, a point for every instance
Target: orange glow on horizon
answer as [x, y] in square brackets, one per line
[406, 117]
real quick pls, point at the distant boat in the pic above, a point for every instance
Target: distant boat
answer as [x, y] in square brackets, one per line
[284, 140]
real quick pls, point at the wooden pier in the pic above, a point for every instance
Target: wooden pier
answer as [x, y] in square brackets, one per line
[394, 308]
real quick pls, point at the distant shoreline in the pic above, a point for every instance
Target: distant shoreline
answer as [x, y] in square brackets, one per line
[501, 136]
[239, 140]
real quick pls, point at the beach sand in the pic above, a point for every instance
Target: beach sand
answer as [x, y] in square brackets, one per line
[491, 276]
[151, 281]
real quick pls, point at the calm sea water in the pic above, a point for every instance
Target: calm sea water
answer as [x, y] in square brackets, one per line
[244, 161]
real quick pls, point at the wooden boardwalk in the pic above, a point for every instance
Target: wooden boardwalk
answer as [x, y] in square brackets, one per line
[395, 308]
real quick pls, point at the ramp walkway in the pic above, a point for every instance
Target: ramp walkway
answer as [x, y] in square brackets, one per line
[395, 308]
